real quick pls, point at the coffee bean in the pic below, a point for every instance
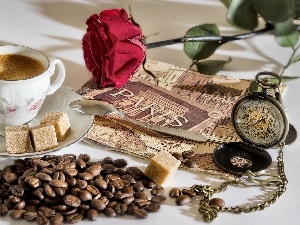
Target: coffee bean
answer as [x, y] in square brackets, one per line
[120, 171]
[94, 170]
[140, 213]
[104, 199]
[80, 163]
[107, 169]
[187, 154]
[81, 184]
[20, 205]
[72, 200]
[128, 178]
[70, 181]
[85, 176]
[43, 176]
[190, 193]
[120, 208]
[128, 190]
[107, 160]
[152, 207]
[112, 177]
[84, 195]
[140, 202]
[14, 199]
[73, 218]
[217, 202]
[98, 204]
[190, 163]
[101, 183]
[10, 177]
[39, 192]
[17, 213]
[158, 190]
[70, 165]
[119, 163]
[183, 200]
[59, 191]
[159, 199]
[118, 184]
[3, 209]
[30, 215]
[48, 171]
[46, 211]
[178, 156]
[174, 192]
[92, 214]
[58, 183]
[128, 200]
[84, 157]
[109, 212]
[17, 190]
[135, 172]
[59, 208]
[148, 184]
[49, 191]
[138, 186]
[57, 220]
[140, 194]
[69, 211]
[58, 175]
[34, 182]
[42, 220]
[92, 189]
[40, 163]
[70, 172]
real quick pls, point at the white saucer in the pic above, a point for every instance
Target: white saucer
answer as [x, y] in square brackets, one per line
[59, 101]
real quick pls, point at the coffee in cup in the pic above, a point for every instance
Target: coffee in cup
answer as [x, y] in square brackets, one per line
[19, 67]
[25, 81]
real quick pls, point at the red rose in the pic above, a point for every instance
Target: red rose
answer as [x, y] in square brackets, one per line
[112, 47]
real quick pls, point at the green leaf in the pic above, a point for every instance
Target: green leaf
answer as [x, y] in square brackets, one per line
[201, 50]
[285, 79]
[211, 66]
[275, 10]
[226, 2]
[295, 59]
[242, 14]
[286, 33]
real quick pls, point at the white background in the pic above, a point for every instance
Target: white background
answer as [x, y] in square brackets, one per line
[56, 28]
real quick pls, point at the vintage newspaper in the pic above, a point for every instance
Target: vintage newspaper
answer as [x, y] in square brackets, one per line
[178, 98]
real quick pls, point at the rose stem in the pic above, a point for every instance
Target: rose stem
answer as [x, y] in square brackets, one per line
[221, 39]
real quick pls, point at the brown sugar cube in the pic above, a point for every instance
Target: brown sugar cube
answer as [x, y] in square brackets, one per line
[17, 139]
[161, 167]
[61, 123]
[43, 137]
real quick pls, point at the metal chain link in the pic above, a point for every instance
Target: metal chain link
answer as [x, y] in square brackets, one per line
[210, 212]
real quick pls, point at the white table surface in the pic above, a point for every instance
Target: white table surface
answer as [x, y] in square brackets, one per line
[56, 28]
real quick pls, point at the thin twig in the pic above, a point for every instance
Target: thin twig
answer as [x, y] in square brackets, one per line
[221, 39]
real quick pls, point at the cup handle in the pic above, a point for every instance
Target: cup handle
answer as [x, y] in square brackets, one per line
[60, 76]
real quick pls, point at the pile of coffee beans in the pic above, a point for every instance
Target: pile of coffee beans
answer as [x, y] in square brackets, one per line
[56, 189]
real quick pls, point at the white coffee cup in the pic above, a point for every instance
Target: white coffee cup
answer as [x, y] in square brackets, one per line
[20, 100]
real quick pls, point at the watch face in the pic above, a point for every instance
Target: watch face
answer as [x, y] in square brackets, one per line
[260, 119]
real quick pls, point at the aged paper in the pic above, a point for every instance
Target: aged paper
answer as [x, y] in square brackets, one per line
[178, 98]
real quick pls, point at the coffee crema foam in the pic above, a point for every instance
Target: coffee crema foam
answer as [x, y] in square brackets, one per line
[19, 67]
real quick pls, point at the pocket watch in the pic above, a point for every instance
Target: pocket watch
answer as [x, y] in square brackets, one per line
[261, 122]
